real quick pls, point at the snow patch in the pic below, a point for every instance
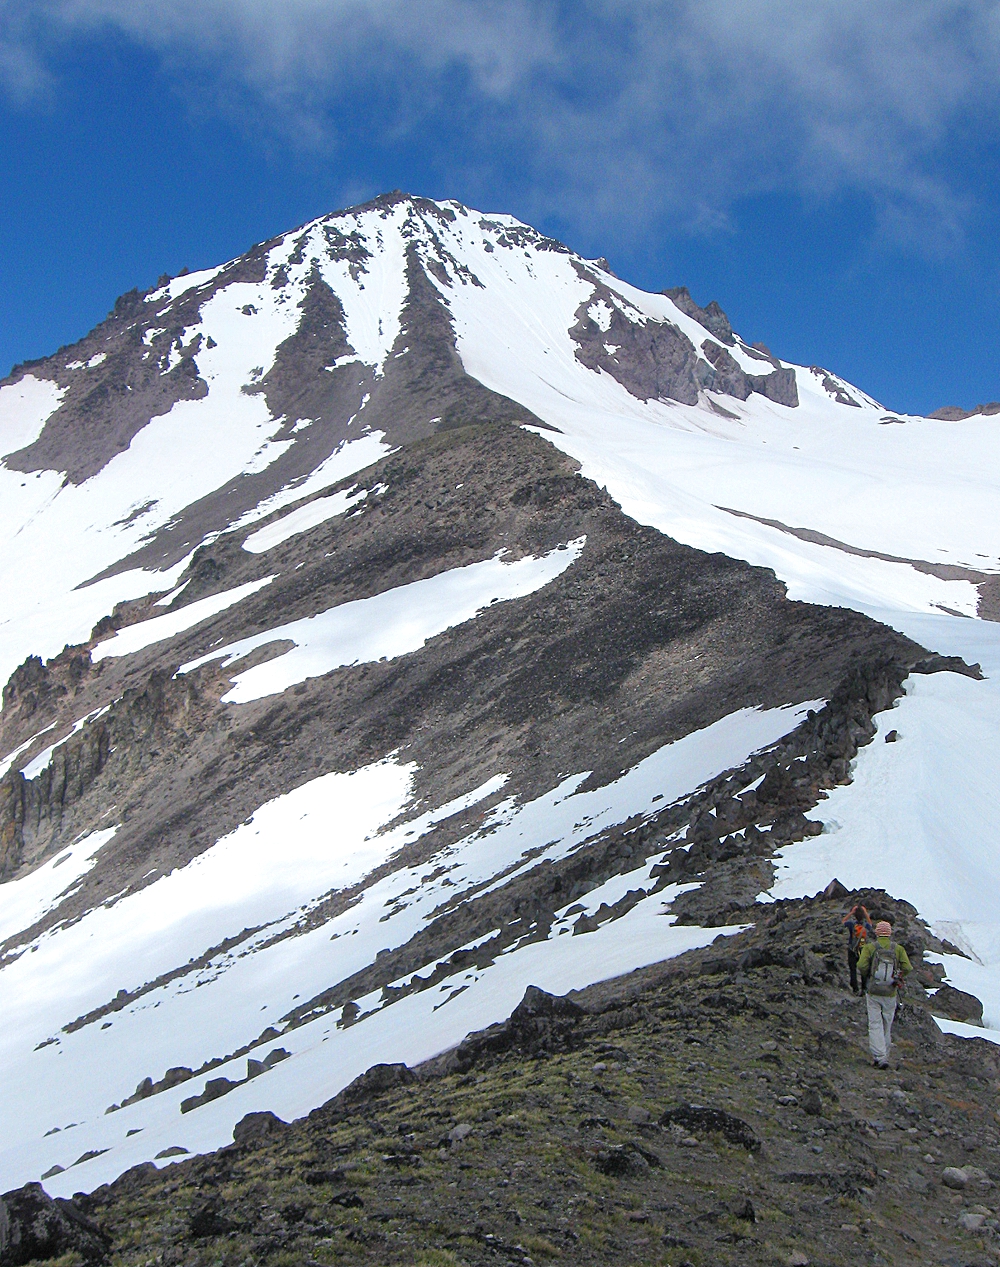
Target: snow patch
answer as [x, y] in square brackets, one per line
[23, 902]
[601, 314]
[25, 407]
[387, 625]
[135, 637]
[351, 457]
[9, 760]
[919, 818]
[301, 520]
[272, 871]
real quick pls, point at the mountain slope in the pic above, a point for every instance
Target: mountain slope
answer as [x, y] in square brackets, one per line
[681, 1114]
[420, 645]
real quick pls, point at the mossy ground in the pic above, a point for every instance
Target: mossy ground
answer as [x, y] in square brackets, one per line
[392, 1183]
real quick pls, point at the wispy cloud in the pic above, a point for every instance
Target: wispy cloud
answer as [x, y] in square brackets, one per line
[637, 108]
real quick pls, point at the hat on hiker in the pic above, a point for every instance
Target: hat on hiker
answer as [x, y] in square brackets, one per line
[883, 928]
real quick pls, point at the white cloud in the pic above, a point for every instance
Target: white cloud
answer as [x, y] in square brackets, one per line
[636, 106]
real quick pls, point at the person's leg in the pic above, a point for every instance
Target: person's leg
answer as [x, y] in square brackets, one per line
[876, 1032]
[852, 964]
[888, 1013]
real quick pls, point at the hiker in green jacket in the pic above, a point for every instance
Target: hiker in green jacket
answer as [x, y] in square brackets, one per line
[883, 966]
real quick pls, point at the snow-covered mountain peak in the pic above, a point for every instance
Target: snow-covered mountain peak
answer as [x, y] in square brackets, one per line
[398, 614]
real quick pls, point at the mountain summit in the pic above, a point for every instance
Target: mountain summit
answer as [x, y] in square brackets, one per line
[410, 611]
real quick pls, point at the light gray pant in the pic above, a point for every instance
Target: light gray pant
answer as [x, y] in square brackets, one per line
[881, 1010]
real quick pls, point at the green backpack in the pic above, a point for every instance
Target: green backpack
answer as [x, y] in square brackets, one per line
[884, 971]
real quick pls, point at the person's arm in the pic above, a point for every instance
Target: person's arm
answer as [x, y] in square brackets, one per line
[903, 961]
[865, 958]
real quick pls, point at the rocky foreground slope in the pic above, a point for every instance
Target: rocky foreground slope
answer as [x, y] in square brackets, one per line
[719, 1108]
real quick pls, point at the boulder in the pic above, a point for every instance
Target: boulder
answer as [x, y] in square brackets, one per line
[173, 1077]
[379, 1078]
[696, 1117]
[624, 1161]
[206, 1220]
[255, 1126]
[34, 1227]
[957, 1005]
[541, 1023]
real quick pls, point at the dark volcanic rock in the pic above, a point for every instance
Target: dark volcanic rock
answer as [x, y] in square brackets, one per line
[207, 1220]
[696, 1117]
[625, 1160]
[214, 1088]
[834, 387]
[34, 1227]
[729, 378]
[541, 1023]
[780, 386]
[712, 318]
[958, 1005]
[371, 1083]
[374, 1182]
[954, 413]
[653, 360]
[256, 1126]
[947, 664]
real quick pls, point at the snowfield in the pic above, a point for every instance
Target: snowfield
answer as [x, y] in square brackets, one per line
[850, 505]
[920, 817]
[259, 885]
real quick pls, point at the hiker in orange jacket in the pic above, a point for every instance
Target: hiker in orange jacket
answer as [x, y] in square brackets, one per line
[858, 923]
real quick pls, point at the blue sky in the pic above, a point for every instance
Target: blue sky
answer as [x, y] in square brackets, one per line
[828, 172]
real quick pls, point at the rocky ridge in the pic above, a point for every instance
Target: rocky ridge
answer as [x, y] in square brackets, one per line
[719, 1108]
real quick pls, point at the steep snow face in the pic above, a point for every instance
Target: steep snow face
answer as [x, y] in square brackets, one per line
[920, 817]
[917, 490]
